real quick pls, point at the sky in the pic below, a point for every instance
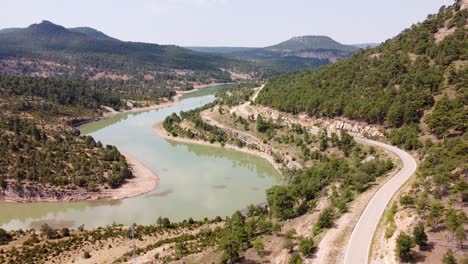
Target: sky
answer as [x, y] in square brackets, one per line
[246, 23]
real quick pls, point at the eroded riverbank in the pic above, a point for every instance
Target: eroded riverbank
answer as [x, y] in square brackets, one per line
[189, 185]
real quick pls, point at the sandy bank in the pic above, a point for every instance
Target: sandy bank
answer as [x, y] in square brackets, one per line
[175, 99]
[160, 131]
[144, 181]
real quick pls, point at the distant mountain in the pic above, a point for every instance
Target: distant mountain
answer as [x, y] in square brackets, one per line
[366, 45]
[394, 84]
[48, 40]
[297, 53]
[87, 52]
[91, 32]
[306, 43]
[8, 30]
[220, 50]
[83, 30]
[319, 49]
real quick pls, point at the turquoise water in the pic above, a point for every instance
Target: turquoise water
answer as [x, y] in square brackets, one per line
[195, 181]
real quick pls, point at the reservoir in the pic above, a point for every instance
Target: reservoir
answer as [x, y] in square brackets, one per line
[195, 181]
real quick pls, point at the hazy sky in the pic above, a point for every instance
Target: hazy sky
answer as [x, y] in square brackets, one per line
[226, 22]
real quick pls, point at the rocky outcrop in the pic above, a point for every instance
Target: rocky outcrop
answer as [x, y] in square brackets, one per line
[355, 128]
[315, 125]
[330, 55]
[36, 193]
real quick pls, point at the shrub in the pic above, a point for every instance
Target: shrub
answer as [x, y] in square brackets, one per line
[47, 230]
[295, 259]
[259, 247]
[287, 244]
[406, 200]
[419, 235]
[5, 237]
[307, 246]
[325, 220]
[448, 258]
[404, 243]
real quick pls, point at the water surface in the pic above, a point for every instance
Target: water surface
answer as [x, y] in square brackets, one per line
[195, 181]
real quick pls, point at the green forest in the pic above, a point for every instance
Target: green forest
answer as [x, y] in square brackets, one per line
[35, 157]
[390, 85]
[336, 163]
[415, 85]
[41, 150]
[64, 92]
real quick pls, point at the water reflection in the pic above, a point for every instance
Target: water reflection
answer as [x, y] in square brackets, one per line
[195, 180]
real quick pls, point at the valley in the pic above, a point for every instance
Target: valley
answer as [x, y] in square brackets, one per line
[305, 151]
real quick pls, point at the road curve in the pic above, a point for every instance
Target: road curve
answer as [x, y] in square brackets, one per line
[359, 244]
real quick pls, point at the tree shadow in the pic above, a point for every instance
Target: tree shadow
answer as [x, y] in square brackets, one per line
[248, 261]
[429, 247]
[418, 258]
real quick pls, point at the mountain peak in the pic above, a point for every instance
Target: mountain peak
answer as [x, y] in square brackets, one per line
[309, 37]
[47, 27]
[311, 42]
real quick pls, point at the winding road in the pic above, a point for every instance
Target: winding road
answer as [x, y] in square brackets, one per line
[359, 244]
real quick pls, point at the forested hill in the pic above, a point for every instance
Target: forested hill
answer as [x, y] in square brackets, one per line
[48, 40]
[86, 52]
[43, 157]
[295, 54]
[303, 43]
[92, 32]
[308, 50]
[416, 85]
[392, 84]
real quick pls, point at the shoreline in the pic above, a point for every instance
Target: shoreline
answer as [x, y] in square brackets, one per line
[145, 180]
[111, 112]
[160, 131]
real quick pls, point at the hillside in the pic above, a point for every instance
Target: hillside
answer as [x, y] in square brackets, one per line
[390, 85]
[47, 40]
[415, 87]
[320, 49]
[45, 158]
[303, 43]
[47, 49]
[92, 33]
[298, 53]
[219, 50]
[366, 45]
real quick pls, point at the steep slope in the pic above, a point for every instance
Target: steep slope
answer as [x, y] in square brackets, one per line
[392, 84]
[44, 159]
[416, 85]
[91, 32]
[366, 45]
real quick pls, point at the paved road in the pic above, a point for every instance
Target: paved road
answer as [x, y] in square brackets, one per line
[358, 248]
